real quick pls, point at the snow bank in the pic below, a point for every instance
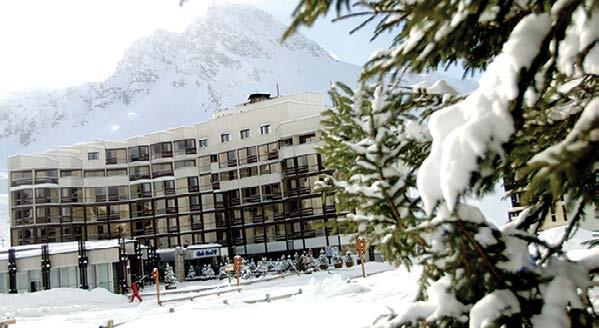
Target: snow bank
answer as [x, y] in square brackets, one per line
[60, 300]
[554, 235]
[331, 287]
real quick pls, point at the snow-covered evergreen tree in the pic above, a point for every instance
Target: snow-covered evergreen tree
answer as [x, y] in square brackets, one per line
[323, 260]
[405, 158]
[191, 273]
[169, 277]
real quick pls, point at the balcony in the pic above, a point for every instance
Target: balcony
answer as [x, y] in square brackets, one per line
[252, 159]
[195, 207]
[45, 200]
[197, 226]
[21, 182]
[139, 176]
[25, 221]
[169, 191]
[259, 239]
[40, 180]
[298, 192]
[100, 198]
[220, 223]
[231, 163]
[111, 161]
[114, 216]
[238, 241]
[215, 185]
[250, 199]
[329, 209]
[236, 221]
[102, 235]
[271, 197]
[280, 236]
[278, 216]
[171, 210]
[234, 201]
[258, 219]
[273, 155]
[172, 229]
[163, 173]
[65, 219]
[194, 188]
[71, 199]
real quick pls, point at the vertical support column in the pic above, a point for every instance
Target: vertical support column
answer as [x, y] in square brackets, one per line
[180, 263]
[46, 266]
[139, 262]
[83, 261]
[12, 271]
[122, 272]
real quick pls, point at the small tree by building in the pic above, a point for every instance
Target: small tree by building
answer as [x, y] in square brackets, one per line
[349, 259]
[169, 277]
[323, 261]
[191, 273]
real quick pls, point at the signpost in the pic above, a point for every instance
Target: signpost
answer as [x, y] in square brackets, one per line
[237, 266]
[361, 248]
[156, 277]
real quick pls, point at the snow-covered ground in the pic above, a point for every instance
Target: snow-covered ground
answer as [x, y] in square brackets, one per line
[327, 299]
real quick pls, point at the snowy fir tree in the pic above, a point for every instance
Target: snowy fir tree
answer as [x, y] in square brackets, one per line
[191, 273]
[323, 260]
[169, 276]
[405, 159]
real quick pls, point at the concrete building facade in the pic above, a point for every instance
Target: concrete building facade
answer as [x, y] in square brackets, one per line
[242, 179]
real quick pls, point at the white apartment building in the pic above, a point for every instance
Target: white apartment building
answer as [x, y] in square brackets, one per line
[242, 179]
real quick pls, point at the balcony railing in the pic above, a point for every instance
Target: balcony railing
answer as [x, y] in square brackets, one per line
[329, 208]
[215, 185]
[195, 207]
[197, 226]
[238, 241]
[258, 239]
[163, 173]
[40, 180]
[45, 200]
[194, 188]
[280, 236]
[234, 201]
[236, 221]
[278, 216]
[251, 199]
[139, 176]
[220, 223]
[172, 229]
[258, 219]
[270, 197]
[21, 182]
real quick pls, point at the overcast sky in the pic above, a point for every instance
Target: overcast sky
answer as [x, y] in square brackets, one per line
[58, 43]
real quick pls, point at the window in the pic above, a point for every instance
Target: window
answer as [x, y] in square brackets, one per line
[71, 195]
[116, 193]
[46, 176]
[20, 178]
[46, 195]
[287, 142]
[270, 168]
[225, 137]
[228, 175]
[139, 172]
[250, 195]
[21, 197]
[94, 173]
[95, 194]
[246, 172]
[162, 169]
[70, 173]
[204, 164]
[139, 153]
[227, 159]
[166, 187]
[269, 151]
[244, 134]
[307, 138]
[116, 156]
[116, 172]
[213, 158]
[186, 163]
[185, 147]
[162, 150]
[93, 156]
[141, 190]
[265, 129]
[203, 143]
[247, 155]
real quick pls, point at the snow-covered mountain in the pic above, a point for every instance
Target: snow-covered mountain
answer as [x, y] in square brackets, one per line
[171, 79]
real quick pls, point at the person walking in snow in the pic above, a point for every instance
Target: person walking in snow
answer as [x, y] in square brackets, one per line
[135, 292]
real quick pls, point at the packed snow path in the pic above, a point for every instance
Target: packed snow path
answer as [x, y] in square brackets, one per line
[326, 300]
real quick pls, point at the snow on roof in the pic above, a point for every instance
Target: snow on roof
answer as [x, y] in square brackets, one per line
[59, 248]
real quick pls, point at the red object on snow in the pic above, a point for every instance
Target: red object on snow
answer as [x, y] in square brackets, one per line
[135, 292]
